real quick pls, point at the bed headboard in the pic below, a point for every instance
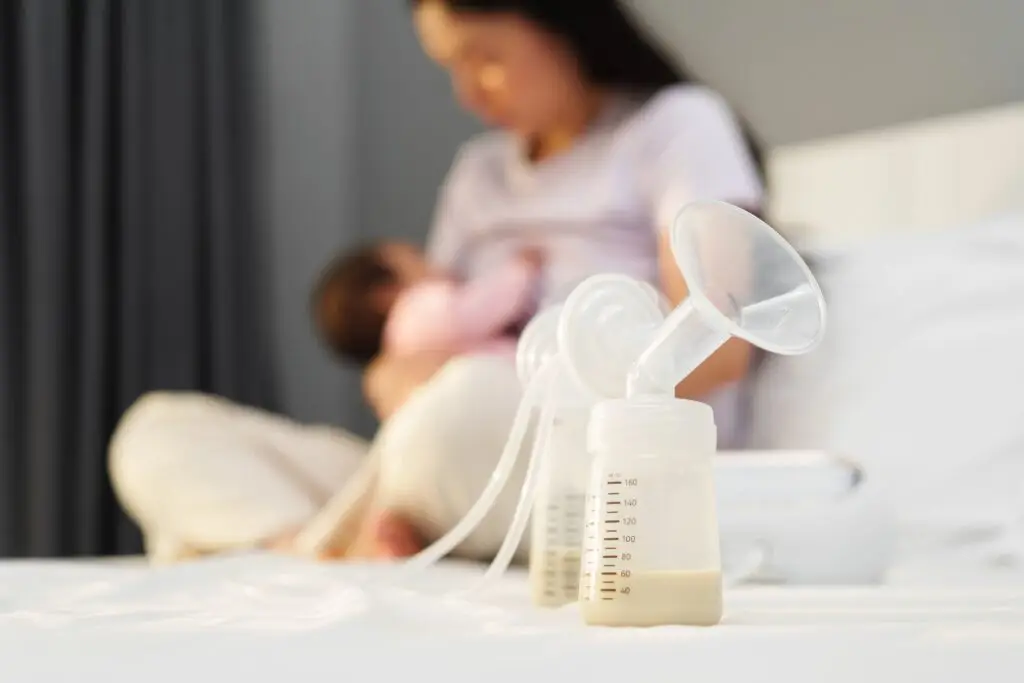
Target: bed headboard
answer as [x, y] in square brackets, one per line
[917, 177]
[879, 115]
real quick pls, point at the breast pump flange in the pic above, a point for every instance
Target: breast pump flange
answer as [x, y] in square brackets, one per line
[651, 552]
[744, 281]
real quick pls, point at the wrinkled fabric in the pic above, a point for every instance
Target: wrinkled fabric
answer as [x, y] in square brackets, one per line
[274, 618]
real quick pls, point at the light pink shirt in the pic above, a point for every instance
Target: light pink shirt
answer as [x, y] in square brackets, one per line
[597, 207]
[446, 315]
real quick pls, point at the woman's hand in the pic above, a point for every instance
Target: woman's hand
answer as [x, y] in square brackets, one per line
[727, 365]
[390, 380]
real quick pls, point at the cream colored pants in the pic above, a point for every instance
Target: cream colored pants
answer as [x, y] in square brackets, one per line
[202, 475]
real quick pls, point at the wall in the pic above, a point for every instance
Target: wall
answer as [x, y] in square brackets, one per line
[409, 124]
[310, 197]
[804, 70]
[349, 97]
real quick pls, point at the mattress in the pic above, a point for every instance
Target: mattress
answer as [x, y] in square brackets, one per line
[267, 618]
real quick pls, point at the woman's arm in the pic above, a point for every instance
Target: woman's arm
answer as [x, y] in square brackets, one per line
[694, 150]
[729, 364]
[390, 380]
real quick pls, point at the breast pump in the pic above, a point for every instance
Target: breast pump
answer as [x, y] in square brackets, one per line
[649, 535]
[651, 547]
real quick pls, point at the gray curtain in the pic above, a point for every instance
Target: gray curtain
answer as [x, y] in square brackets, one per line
[130, 258]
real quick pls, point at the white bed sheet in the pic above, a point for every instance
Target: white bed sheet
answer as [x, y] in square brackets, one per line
[263, 618]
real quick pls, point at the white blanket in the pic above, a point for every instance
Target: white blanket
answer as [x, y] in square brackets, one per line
[263, 618]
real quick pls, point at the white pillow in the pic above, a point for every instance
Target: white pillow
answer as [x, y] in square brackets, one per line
[919, 379]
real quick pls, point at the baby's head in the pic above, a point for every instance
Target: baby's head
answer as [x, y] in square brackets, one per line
[354, 295]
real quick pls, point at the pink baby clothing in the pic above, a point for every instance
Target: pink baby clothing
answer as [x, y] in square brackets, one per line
[446, 315]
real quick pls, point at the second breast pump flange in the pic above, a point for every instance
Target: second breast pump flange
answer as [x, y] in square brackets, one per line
[651, 550]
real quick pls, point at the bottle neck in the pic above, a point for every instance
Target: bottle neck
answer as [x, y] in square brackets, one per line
[652, 426]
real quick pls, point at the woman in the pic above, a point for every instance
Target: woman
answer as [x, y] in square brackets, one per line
[602, 142]
[599, 141]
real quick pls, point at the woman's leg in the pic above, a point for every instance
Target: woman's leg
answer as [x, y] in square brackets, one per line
[200, 474]
[437, 455]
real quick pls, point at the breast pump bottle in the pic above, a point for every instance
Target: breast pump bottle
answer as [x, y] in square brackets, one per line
[651, 546]
[556, 527]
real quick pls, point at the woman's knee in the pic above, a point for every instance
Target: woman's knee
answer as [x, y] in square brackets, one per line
[477, 377]
[440, 450]
[146, 433]
[158, 407]
[468, 406]
[151, 414]
[209, 473]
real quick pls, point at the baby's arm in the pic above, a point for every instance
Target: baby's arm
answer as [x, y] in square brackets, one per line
[486, 305]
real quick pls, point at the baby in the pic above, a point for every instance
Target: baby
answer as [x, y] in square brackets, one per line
[386, 296]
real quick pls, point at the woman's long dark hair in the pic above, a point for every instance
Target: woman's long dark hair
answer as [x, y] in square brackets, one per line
[612, 51]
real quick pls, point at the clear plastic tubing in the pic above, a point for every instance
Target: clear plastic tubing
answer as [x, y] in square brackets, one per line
[537, 367]
[554, 493]
[539, 455]
[553, 497]
[532, 397]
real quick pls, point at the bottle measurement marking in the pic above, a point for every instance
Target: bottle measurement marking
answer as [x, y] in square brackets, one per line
[605, 511]
[559, 572]
[611, 572]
